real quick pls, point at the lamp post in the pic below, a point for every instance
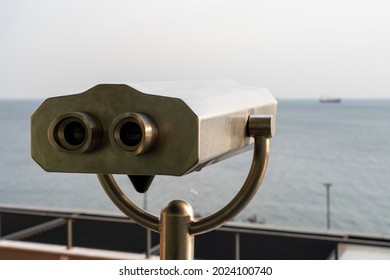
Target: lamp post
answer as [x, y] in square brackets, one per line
[328, 185]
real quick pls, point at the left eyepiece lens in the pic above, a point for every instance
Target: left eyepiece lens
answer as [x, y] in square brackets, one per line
[131, 134]
[75, 132]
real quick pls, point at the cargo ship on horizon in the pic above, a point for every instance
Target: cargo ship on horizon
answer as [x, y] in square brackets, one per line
[329, 99]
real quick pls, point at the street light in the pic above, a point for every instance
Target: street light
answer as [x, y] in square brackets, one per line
[328, 185]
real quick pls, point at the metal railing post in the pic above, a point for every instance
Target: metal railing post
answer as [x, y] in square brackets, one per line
[148, 243]
[69, 229]
[237, 243]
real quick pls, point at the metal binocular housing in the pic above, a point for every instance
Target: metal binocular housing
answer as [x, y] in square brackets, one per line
[167, 128]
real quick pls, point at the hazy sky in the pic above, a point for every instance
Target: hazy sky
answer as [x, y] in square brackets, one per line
[293, 48]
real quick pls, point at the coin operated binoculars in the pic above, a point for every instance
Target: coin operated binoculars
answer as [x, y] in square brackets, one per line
[168, 128]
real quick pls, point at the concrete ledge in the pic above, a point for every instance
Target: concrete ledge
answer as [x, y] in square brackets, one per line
[20, 250]
[363, 252]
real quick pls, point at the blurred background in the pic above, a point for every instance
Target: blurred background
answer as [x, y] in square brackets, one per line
[295, 48]
[299, 50]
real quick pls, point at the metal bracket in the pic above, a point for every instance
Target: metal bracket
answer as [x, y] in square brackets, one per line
[177, 225]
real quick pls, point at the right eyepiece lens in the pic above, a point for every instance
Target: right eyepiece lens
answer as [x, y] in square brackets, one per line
[131, 134]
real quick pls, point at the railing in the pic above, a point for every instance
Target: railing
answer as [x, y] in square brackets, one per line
[238, 241]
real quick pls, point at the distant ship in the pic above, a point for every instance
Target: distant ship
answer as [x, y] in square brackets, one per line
[328, 99]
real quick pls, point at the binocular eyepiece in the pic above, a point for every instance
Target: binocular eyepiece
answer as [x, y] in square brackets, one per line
[80, 132]
[133, 133]
[75, 132]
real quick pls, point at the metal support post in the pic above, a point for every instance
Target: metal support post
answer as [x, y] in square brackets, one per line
[176, 242]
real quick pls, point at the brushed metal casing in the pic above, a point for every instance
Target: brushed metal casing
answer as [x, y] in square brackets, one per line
[199, 123]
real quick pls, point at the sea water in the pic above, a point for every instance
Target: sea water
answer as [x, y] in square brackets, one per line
[345, 144]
